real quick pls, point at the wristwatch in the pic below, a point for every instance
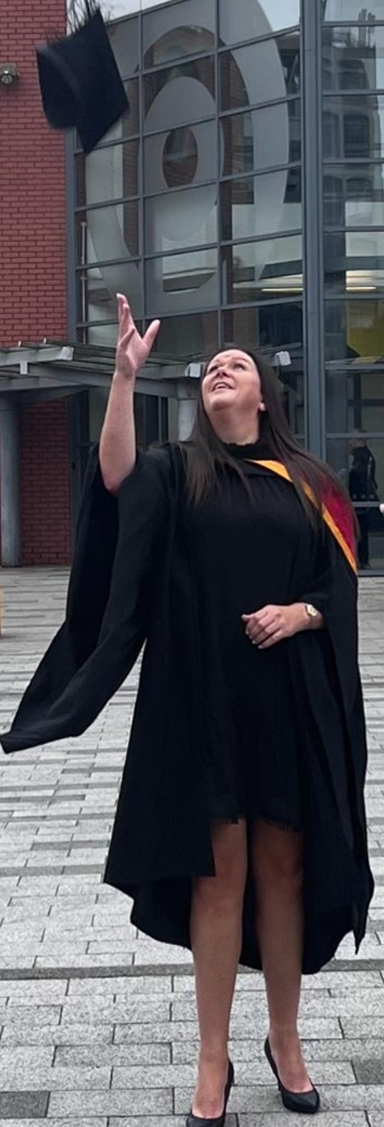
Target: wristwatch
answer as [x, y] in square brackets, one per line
[311, 610]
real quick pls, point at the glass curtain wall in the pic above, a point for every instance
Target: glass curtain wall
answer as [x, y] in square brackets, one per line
[353, 212]
[192, 203]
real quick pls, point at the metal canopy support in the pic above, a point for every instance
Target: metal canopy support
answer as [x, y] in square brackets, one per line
[313, 311]
[10, 482]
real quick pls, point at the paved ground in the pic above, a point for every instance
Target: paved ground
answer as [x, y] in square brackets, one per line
[98, 1021]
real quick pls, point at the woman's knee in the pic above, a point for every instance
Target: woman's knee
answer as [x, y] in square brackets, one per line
[278, 857]
[230, 855]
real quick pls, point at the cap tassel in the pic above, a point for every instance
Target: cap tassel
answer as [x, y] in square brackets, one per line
[80, 12]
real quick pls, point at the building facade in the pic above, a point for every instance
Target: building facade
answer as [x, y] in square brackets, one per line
[241, 200]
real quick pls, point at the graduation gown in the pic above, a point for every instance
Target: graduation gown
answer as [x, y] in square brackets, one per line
[132, 583]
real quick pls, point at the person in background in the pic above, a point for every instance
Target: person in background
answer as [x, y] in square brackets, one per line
[362, 487]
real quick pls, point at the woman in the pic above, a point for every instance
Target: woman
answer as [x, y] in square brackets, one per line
[240, 830]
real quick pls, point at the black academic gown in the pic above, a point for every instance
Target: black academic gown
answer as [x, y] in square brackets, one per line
[131, 583]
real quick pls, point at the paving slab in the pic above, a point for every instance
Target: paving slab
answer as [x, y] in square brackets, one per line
[98, 1023]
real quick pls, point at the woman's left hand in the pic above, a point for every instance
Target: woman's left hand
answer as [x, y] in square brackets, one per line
[272, 624]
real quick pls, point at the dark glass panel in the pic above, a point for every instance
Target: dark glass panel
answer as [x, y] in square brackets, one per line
[353, 57]
[249, 206]
[187, 338]
[181, 156]
[237, 22]
[181, 219]
[104, 233]
[170, 99]
[253, 140]
[257, 271]
[261, 72]
[181, 281]
[354, 328]
[108, 174]
[176, 30]
[354, 195]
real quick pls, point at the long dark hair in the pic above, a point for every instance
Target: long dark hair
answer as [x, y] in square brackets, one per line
[205, 455]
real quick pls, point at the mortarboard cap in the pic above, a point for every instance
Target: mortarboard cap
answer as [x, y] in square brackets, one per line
[79, 80]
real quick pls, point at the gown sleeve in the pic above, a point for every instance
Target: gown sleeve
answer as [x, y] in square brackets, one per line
[108, 607]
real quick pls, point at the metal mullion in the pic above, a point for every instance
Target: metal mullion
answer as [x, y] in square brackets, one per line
[261, 238]
[106, 203]
[348, 433]
[267, 37]
[178, 251]
[362, 95]
[340, 229]
[109, 144]
[354, 162]
[313, 263]
[253, 107]
[374, 295]
[107, 262]
[141, 166]
[183, 59]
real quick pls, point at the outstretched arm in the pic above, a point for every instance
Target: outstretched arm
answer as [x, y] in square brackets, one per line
[118, 437]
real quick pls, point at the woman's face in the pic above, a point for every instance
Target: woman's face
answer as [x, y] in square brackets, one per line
[232, 384]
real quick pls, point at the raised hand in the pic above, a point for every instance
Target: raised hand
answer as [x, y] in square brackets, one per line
[132, 350]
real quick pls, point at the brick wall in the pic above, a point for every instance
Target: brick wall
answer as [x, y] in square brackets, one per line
[33, 267]
[45, 488]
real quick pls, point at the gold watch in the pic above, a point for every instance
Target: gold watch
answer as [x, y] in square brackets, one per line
[311, 610]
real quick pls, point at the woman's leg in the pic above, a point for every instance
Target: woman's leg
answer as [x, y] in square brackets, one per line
[216, 932]
[277, 857]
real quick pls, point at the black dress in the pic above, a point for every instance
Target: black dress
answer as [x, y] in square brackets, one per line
[243, 552]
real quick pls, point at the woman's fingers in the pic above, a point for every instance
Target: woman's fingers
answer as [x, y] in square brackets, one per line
[151, 334]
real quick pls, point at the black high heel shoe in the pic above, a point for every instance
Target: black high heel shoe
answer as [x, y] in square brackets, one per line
[197, 1121]
[307, 1103]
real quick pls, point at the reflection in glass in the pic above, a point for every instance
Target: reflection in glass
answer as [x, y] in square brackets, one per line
[124, 40]
[354, 261]
[99, 334]
[260, 72]
[181, 281]
[248, 139]
[179, 157]
[354, 328]
[353, 11]
[174, 79]
[353, 128]
[358, 459]
[257, 19]
[183, 29]
[255, 271]
[354, 195]
[261, 205]
[181, 219]
[355, 397]
[190, 337]
[97, 288]
[353, 57]
[107, 233]
[108, 174]
[276, 326]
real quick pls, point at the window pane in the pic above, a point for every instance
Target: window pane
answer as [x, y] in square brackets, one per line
[97, 289]
[189, 338]
[261, 205]
[352, 10]
[353, 57]
[354, 128]
[255, 271]
[275, 327]
[354, 328]
[181, 281]
[354, 261]
[108, 174]
[359, 463]
[250, 21]
[99, 334]
[260, 138]
[181, 219]
[355, 397]
[354, 195]
[260, 72]
[180, 29]
[180, 93]
[124, 40]
[107, 233]
[180, 157]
